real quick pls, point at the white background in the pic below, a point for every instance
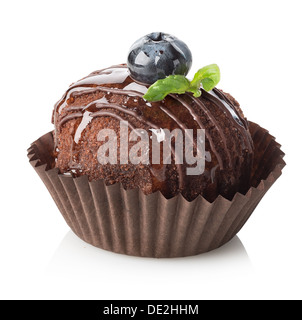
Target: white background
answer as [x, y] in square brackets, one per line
[45, 46]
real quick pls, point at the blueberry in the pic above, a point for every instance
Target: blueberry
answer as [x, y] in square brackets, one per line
[158, 55]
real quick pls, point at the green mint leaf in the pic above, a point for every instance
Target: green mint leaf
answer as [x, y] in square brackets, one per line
[209, 76]
[196, 92]
[171, 84]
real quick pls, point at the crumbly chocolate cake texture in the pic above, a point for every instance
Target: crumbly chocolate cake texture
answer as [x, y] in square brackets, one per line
[105, 97]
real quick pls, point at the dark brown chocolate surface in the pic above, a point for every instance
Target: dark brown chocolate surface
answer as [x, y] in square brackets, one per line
[107, 96]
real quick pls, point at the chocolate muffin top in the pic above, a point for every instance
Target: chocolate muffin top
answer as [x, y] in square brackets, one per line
[105, 97]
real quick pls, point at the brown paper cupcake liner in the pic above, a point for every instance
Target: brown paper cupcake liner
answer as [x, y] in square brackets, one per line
[130, 222]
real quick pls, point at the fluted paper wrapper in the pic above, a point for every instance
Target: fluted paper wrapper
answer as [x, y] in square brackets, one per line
[130, 222]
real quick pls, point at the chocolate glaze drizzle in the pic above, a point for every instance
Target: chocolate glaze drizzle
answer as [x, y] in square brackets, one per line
[116, 80]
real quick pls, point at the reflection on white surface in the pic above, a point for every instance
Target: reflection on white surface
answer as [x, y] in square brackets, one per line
[74, 257]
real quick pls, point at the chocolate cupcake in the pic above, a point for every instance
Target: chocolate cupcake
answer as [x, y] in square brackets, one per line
[144, 162]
